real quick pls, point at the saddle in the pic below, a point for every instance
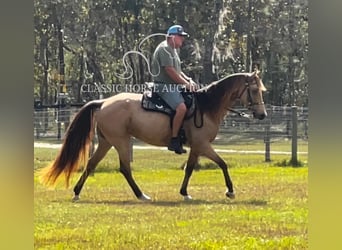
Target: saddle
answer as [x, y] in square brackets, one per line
[151, 101]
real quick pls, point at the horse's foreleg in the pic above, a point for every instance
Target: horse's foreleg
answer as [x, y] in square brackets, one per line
[98, 155]
[212, 155]
[125, 168]
[191, 163]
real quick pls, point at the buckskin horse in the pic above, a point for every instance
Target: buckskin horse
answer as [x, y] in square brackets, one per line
[120, 117]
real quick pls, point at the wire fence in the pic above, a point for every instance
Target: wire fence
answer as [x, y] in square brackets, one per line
[277, 126]
[51, 123]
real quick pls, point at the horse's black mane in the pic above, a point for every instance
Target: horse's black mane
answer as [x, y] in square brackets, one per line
[209, 98]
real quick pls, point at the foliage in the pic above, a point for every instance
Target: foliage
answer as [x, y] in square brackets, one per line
[290, 163]
[226, 36]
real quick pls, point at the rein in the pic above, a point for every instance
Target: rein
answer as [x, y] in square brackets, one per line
[195, 115]
[250, 102]
[241, 114]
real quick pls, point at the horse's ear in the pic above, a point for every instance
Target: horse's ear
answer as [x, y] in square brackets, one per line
[255, 73]
[252, 75]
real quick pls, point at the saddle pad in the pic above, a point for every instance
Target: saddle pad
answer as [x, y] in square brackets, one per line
[153, 102]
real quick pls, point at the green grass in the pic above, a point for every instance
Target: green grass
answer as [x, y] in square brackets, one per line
[276, 145]
[270, 210]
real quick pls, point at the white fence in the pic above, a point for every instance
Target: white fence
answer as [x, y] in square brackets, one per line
[234, 128]
[276, 126]
[280, 124]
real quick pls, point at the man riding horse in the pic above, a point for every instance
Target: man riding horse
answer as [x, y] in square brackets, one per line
[169, 80]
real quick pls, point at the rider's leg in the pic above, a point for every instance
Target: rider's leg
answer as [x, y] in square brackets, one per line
[175, 143]
[175, 100]
[178, 119]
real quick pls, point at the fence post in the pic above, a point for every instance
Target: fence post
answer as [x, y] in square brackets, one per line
[131, 150]
[294, 159]
[37, 123]
[267, 138]
[267, 141]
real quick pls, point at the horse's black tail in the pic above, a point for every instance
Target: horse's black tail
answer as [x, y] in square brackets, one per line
[75, 146]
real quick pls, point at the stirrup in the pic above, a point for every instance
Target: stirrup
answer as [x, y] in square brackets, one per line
[176, 146]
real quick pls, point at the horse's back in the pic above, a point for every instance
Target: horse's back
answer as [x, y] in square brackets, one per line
[122, 115]
[118, 107]
[120, 98]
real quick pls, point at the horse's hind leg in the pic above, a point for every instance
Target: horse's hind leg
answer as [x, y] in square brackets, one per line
[98, 155]
[124, 149]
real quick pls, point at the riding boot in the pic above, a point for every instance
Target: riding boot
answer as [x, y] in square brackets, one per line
[176, 146]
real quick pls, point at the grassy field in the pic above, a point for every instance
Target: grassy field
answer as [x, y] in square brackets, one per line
[270, 210]
[276, 145]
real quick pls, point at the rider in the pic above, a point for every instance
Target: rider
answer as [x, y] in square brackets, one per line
[168, 79]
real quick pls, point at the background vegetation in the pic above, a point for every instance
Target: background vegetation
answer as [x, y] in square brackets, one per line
[84, 41]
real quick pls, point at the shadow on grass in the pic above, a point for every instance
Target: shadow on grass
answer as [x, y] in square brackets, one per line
[176, 203]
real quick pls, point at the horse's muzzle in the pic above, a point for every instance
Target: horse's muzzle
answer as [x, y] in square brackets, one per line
[260, 116]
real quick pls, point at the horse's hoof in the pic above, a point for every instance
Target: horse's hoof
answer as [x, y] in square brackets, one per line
[230, 195]
[75, 198]
[145, 197]
[187, 197]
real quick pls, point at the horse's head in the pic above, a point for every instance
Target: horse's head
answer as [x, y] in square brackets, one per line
[219, 96]
[251, 95]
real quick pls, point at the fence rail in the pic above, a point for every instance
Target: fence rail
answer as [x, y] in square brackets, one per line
[51, 123]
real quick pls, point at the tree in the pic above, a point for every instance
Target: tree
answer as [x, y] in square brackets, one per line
[226, 36]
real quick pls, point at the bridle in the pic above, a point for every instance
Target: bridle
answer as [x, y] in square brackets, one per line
[251, 103]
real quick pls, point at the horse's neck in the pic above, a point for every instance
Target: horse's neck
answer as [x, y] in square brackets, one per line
[227, 102]
[217, 100]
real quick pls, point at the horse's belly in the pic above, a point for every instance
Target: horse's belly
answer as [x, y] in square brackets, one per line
[150, 127]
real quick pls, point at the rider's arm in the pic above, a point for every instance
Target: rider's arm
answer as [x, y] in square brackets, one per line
[177, 78]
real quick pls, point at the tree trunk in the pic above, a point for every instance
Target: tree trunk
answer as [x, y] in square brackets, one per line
[208, 75]
[249, 38]
[62, 84]
[291, 67]
[44, 94]
[81, 78]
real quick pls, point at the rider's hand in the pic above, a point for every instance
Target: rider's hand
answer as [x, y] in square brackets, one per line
[192, 86]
